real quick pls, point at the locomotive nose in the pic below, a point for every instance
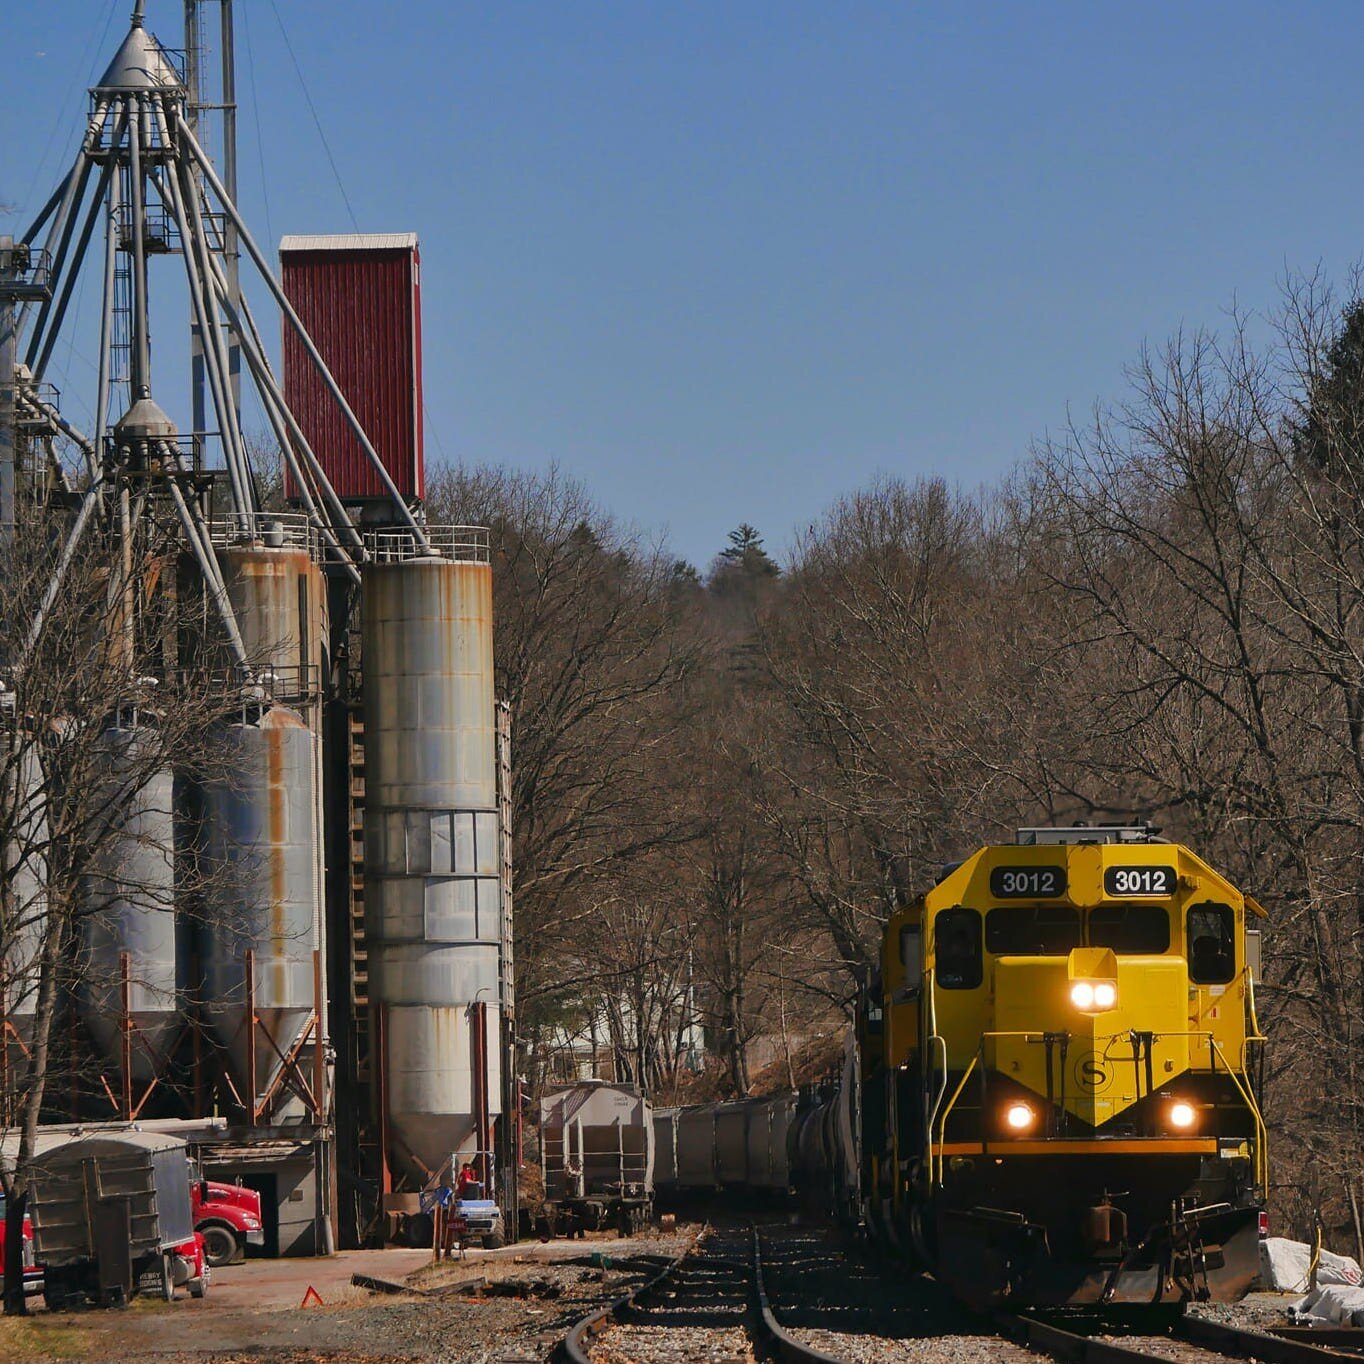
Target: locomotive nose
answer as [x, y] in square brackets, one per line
[1095, 1062]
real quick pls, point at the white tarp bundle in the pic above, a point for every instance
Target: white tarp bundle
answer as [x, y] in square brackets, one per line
[1285, 1267]
[1338, 1305]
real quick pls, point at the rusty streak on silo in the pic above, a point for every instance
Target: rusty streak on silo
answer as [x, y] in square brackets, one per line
[262, 929]
[432, 894]
[260, 837]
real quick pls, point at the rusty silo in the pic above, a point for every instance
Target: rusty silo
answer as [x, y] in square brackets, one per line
[432, 899]
[262, 930]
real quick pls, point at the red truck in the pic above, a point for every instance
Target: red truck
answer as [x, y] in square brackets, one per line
[33, 1276]
[228, 1217]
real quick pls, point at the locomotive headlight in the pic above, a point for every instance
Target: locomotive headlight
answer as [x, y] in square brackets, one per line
[1182, 1115]
[1019, 1117]
[1093, 995]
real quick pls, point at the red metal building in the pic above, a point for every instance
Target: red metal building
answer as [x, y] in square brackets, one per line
[359, 296]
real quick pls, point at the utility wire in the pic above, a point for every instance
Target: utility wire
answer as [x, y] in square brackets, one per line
[91, 57]
[255, 117]
[303, 85]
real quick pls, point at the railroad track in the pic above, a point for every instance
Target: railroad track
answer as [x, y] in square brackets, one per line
[1191, 1339]
[740, 1295]
[711, 1303]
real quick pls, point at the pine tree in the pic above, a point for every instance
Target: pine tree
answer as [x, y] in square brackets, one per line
[745, 556]
[1331, 436]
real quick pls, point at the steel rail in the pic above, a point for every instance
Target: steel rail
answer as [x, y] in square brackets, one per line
[578, 1341]
[786, 1346]
[1213, 1335]
[577, 1344]
[1234, 1342]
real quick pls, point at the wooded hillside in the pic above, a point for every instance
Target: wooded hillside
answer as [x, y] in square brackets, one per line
[727, 775]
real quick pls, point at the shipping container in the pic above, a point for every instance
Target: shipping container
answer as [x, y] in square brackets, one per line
[359, 296]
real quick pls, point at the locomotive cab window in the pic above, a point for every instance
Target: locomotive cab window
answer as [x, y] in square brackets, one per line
[1211, 934]
[957, 943]
[1032, 930]
[1134, 930]
[912, 955]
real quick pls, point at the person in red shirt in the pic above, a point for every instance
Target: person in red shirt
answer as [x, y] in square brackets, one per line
[469, 1185]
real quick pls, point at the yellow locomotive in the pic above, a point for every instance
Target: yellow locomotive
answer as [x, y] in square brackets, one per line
[1057, 1075]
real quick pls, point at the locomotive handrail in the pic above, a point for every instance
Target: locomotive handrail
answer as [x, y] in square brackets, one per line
[933, 1037]
[1027, 1035]
[1261, 1131]
[931, 1115]
[947, 1112]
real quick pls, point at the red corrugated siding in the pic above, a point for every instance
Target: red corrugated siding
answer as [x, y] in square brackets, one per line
[363, 310]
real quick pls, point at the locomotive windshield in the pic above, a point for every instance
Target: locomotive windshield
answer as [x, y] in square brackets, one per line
[1138, 930]
[1053, 930]
[1032, 930]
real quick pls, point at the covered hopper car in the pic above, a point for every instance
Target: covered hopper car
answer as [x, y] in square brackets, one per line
[597, 1149]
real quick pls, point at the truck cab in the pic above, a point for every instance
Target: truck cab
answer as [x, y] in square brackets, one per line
[228, 1217]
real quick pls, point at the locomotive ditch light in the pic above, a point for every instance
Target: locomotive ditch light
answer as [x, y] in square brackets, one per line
[1182, 1116]
[1019, 1117]
[1094, 996]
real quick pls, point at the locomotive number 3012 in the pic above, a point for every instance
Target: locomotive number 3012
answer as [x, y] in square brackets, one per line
[1027, 883]
[1139, 881]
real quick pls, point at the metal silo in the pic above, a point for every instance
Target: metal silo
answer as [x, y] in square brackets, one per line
[25, 907]
[278, 597]
[432, 898]
[260, 930]
[129, 971]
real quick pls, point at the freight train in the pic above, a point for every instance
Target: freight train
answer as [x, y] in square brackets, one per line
[1050, 1093]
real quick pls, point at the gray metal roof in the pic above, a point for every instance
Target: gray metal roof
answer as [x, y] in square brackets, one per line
[351, 241]
[139, 64]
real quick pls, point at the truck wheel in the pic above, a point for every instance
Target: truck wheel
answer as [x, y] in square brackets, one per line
[494, 1241]
[167, 1279]
[220, 1245]
[198, 1288]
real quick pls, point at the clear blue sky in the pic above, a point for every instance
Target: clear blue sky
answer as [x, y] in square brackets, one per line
[727, 260]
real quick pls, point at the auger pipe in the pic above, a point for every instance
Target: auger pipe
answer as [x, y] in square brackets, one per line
[49, 327]
[106, 321]
[45, 212]
[279, 424]
[50, 413]
[176, 188]
[54, 584]
[171, 192]
[60, 232]
[247, 240]
[141, 359]
[71, 188]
